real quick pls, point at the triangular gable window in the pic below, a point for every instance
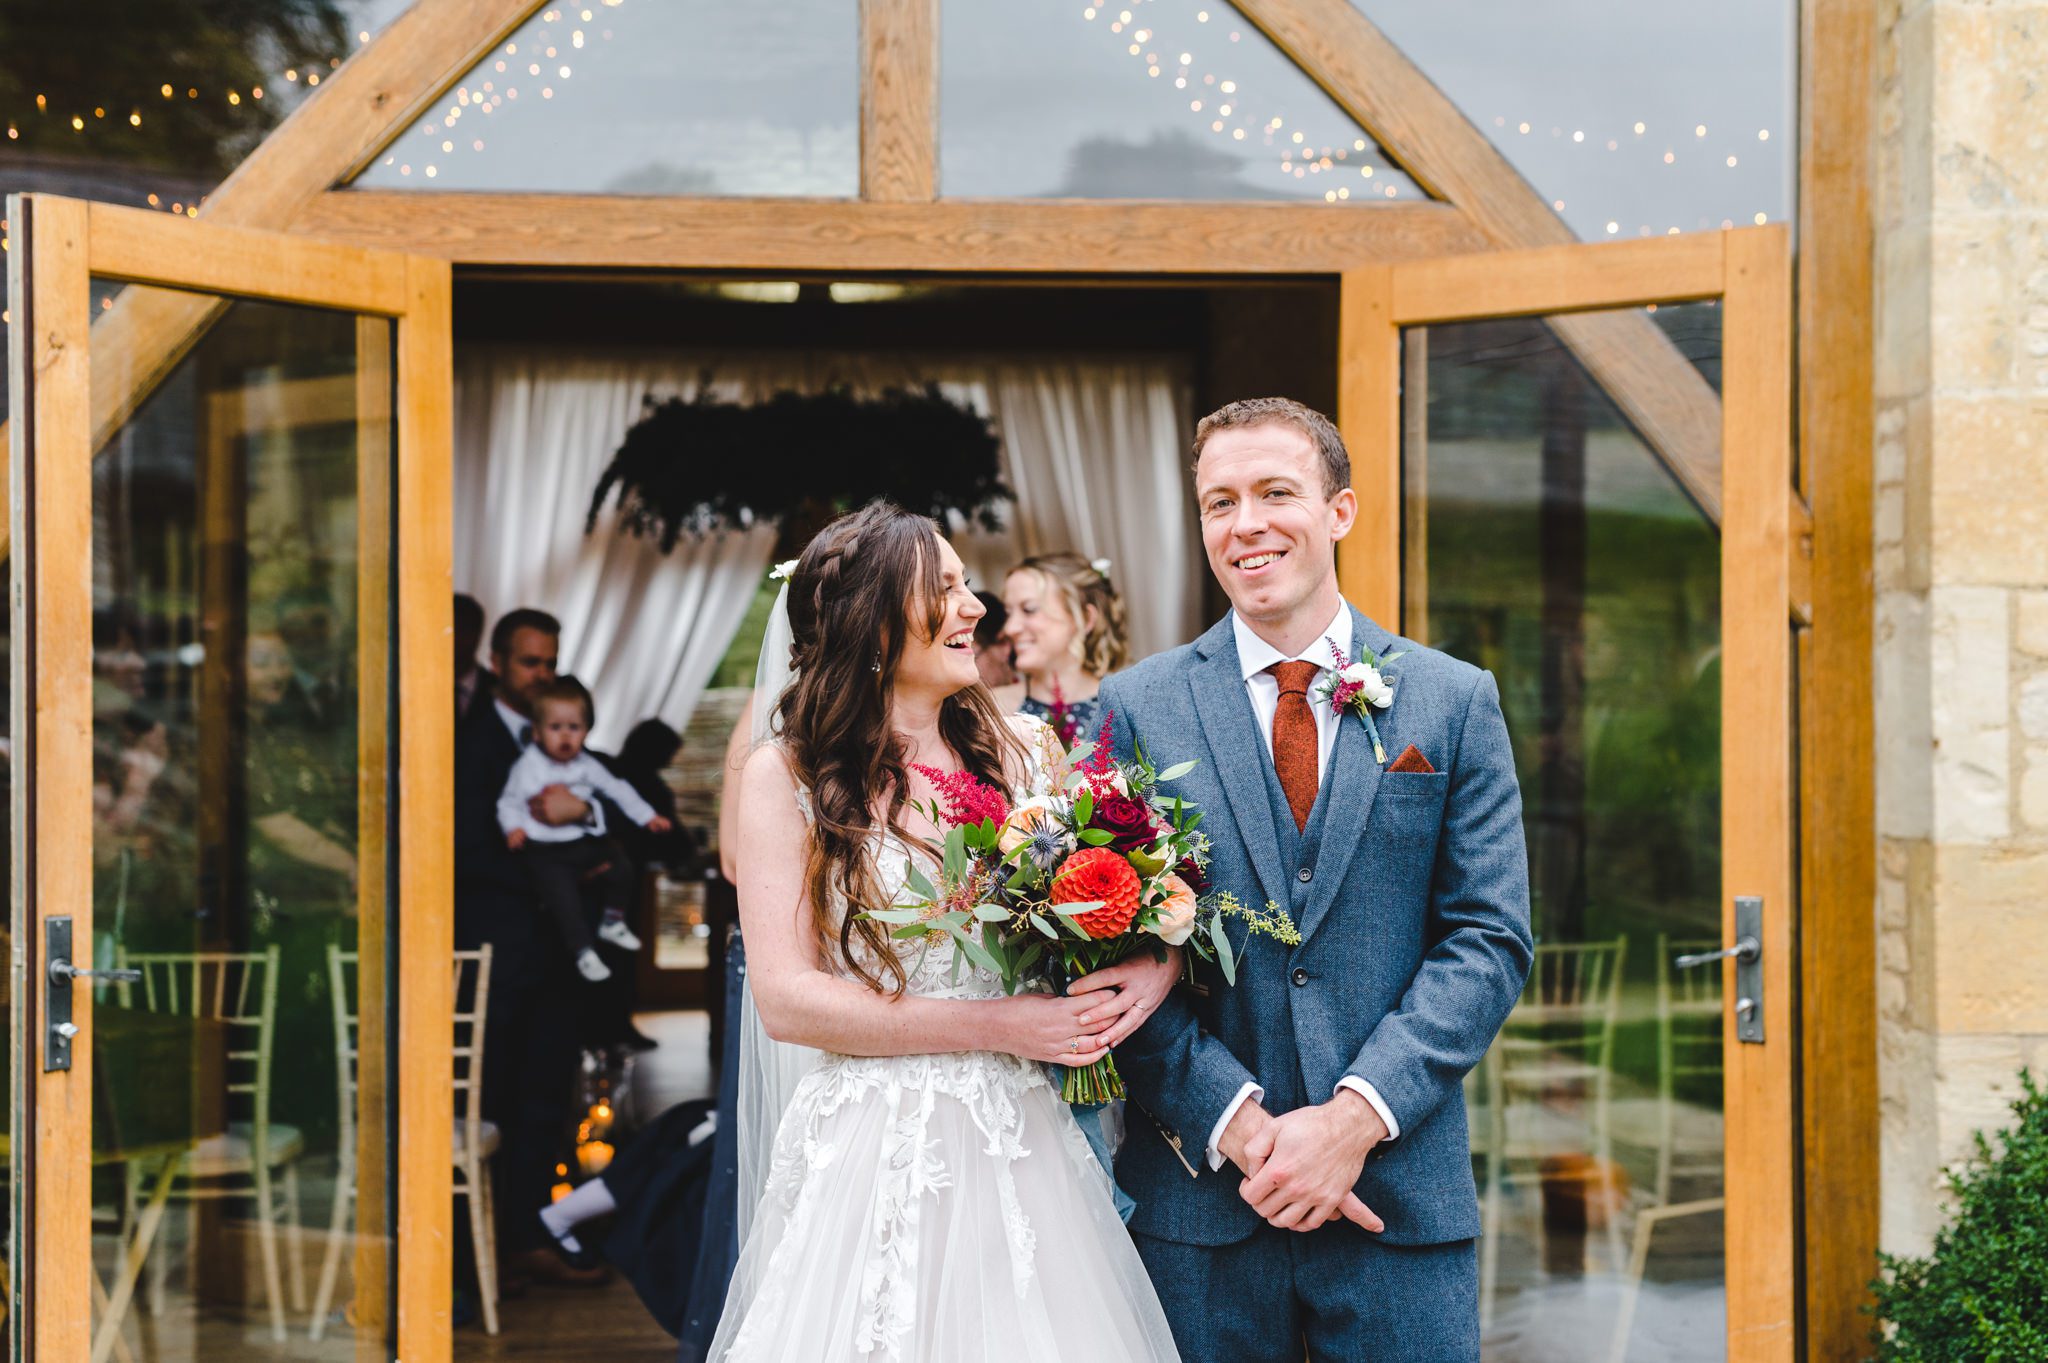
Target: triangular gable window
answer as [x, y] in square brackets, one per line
[1141, 99]
[649, 97]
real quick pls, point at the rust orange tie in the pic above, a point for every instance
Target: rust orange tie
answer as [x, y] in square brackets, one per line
[1294, 738]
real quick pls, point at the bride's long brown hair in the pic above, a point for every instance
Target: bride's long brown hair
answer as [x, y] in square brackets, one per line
[860, 587]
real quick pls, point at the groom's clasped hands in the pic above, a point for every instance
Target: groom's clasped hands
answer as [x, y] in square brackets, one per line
[1301, 1167]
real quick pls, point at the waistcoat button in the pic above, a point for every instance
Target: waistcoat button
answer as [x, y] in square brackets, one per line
[1300, 975]
[1306, 874]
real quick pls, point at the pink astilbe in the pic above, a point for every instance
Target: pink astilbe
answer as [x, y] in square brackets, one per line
[1342, 693]
[968, 799]
[1100, 767]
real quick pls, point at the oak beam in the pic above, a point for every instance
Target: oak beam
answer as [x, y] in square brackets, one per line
[1424, 133]
[1004, 236]
[899, 100]
[1838, 966]
[1369, 416]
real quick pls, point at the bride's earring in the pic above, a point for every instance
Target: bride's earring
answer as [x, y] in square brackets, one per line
[878, 662]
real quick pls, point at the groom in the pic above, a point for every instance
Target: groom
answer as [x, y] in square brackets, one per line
[1313, 1190]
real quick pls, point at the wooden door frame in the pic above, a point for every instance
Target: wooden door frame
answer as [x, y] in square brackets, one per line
[1766, 595]
[60, 246]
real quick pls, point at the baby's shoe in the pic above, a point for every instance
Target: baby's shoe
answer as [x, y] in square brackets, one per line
[590, 967]
[615, 931]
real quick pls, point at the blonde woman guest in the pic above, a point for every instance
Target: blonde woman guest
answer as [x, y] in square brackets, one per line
[1066, 627]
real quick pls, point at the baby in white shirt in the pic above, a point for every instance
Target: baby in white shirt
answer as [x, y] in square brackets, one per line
[563, 859]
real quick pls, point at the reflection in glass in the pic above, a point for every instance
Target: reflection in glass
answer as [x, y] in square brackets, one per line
[650, 97]
[235, 664]
[1548, 543]
[1630, 119]
[1142, 99]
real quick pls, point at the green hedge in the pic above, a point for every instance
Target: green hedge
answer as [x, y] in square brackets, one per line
[1982, 1295]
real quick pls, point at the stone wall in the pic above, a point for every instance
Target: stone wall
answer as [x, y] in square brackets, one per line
[1962, 580]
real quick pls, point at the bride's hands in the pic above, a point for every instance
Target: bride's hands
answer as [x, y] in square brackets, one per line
[1128, 992]
[1049, 1027]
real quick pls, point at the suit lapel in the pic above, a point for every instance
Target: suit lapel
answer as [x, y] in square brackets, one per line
[1232, 732]
[1349, 788]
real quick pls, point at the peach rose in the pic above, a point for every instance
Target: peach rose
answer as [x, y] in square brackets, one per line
[1175, 921]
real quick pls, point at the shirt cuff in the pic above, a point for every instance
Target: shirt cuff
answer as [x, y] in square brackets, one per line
[1372, 1096]
[1250, 1090]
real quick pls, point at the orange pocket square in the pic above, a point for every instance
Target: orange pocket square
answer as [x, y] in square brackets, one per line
[1411, 760]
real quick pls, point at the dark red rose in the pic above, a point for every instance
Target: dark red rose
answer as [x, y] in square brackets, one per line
[1128, 821]
[1193, 874]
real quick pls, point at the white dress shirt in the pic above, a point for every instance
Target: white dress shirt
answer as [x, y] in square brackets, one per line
[1255, 655]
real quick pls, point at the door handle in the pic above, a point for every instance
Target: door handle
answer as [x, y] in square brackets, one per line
[58, 1028]
[62, 972]
[1746, 949]
[1748, 955]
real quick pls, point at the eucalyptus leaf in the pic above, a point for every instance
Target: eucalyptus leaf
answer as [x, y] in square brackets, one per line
[917, 880]
[1176, 771]
[991, 913]
[977, 951]
[1045, 927]
[1226, 959]
[897, 915]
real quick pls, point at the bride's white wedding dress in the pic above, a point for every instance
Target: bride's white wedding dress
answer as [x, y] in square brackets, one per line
[937, 1208]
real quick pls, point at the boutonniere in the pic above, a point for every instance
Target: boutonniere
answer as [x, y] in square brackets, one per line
[1361, 686]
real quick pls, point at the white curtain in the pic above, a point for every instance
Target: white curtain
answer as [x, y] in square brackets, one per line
[642, 629]
[1095, 448]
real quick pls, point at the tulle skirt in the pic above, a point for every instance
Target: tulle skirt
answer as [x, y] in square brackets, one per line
[936, 1209]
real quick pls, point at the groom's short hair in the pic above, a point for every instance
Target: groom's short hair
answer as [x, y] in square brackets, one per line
[1321, 431]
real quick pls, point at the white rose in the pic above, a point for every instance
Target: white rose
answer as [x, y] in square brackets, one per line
[1378, 694]
[1357, 672]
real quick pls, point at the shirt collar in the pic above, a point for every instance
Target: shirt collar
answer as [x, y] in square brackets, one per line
[1255, 655]
[519, 725]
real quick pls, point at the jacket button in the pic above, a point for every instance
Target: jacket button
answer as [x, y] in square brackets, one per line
[1300, 975]
[1305, 874]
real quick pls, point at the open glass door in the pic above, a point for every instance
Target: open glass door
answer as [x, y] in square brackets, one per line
[230, 899]
[1574, 469]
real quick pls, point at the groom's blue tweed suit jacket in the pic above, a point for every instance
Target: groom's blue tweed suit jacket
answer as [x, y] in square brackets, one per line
[1411, 892]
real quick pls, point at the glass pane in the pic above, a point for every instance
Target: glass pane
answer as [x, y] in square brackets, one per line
[1548, 543]
[1140, 99]
[1633, 120]
[239, 688]
[650, 97]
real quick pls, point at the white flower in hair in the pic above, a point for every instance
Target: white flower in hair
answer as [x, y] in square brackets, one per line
[1100, 565]
[783, 571]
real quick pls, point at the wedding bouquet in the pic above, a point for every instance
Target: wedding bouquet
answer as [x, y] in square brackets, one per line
[1069, 882]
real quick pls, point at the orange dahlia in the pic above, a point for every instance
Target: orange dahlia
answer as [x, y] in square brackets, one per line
[1099, 873]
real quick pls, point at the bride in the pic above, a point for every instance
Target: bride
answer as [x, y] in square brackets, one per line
[927, 1197]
